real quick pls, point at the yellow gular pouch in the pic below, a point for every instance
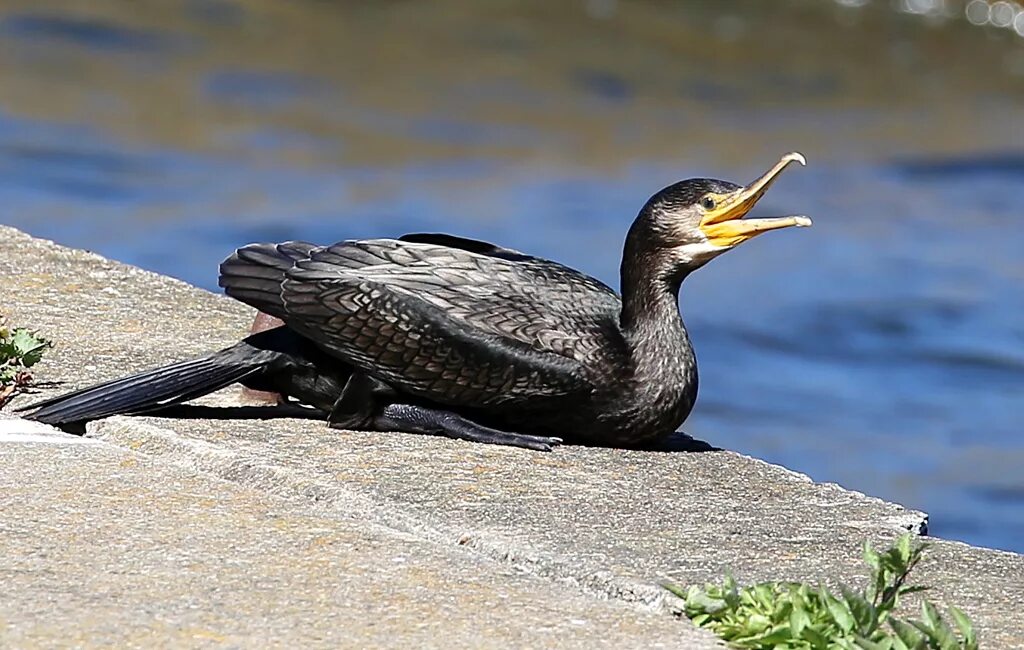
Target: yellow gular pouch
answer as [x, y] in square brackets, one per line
[723, 223]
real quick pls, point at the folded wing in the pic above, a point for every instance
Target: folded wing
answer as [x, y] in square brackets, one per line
[453, 321]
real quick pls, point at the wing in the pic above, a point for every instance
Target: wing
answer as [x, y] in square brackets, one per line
[571, 301]
[449, 323]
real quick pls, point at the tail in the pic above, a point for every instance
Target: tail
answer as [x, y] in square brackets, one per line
[253, 274]
[156, 388]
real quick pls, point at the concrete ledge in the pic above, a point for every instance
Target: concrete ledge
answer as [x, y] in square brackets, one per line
[597, 526]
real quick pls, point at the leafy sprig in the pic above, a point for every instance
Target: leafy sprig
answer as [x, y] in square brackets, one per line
[791, 615]
[20, 349]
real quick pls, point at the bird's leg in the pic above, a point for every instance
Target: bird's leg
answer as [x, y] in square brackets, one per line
[359, 407]
[420, 419]
[358, 402]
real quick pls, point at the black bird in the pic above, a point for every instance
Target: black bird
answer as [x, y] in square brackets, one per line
[441, 335]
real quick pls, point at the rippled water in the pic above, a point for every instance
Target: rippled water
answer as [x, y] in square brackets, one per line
[882, 349]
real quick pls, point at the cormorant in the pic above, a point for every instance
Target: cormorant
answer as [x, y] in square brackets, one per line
[442, 335]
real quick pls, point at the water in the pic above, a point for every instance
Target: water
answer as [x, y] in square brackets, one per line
[882, 349]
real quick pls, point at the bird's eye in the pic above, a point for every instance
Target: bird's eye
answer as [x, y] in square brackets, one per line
[707, 203]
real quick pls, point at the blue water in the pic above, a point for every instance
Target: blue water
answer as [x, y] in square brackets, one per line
[882, 349]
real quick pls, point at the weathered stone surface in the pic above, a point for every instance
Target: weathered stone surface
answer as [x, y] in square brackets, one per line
[106, 547]
[596, 523]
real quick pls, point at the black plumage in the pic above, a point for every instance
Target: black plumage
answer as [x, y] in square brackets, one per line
[438, 334]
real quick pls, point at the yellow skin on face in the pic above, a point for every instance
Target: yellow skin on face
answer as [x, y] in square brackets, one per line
[723, 223]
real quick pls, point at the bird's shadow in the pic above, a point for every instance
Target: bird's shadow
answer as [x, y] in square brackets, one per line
[201, 412]
[676, 442]
[679, 442]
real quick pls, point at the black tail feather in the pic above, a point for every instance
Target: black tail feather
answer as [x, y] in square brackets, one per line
[152, 389]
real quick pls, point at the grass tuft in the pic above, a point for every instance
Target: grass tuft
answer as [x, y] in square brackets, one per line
[791, 615]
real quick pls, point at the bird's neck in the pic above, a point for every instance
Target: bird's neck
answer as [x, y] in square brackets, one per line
[650, 296]
[663, 382]
[650, 319]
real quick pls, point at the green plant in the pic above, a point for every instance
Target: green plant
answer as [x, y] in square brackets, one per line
[20, 349]
[783, 615]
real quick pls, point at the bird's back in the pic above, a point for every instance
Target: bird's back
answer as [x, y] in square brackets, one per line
[453, 320]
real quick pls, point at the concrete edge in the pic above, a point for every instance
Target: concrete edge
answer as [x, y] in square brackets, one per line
[910, 520]
[89, 255]
[178, 450]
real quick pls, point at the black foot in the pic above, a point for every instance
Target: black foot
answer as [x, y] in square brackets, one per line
[420, 419]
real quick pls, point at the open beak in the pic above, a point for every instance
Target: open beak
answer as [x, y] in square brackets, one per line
[724, 224]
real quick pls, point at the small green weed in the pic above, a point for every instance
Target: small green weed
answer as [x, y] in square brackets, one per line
[20, 349]
[784, 615]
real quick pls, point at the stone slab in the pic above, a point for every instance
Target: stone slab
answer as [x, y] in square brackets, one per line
[105, 547]
[606, 523]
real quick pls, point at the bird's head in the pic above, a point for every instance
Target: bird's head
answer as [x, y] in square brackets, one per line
[691, 222]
